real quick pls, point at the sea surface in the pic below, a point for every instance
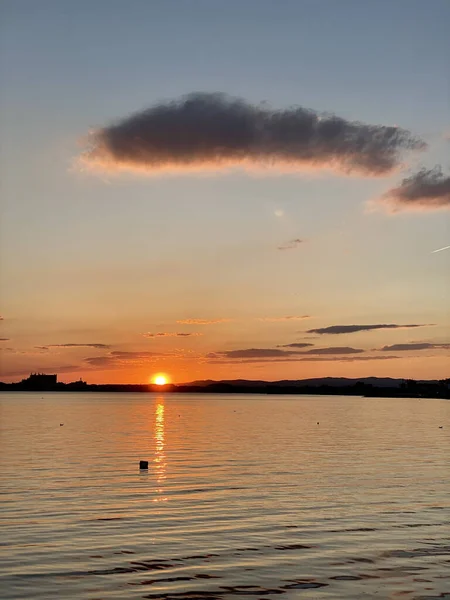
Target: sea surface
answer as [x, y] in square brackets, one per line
[245, 497]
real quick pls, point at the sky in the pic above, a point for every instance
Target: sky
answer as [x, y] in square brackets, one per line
[218, 190]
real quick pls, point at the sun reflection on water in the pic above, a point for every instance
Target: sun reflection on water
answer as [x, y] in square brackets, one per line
[160, 456]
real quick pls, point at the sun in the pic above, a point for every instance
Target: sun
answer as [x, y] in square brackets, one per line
[160, 379]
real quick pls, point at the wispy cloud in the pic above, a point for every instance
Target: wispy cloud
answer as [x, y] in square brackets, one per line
[341, 329]
[291, 245]
[250, 353]
[337, 358]
[279, 319]
[119, 358]
[170, 334]
[11, 350]
[202, 321]
[414, 346]
[98, 346]
[426, 190]
[213, 131]
[58, 369]
[295, 345]
[116, 358]
[264, 353]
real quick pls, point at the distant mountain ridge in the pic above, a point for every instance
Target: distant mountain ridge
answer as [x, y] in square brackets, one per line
[380, 382]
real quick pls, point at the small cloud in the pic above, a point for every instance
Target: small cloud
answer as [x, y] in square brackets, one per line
[202, 321]
[341, 329]
[250, 353]
[291, 244]
[212, 131]
[335, 350]
[279, 319]
[170, 334]
[427, 190]
[414, 346]
[278, 212]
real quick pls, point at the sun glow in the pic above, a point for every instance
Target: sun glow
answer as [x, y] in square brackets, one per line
[160, 379]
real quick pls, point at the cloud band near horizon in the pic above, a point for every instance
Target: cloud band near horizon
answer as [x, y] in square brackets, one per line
[342, 329]
[204, 131]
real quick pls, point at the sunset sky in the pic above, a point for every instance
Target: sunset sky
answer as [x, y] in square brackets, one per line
[224, 236]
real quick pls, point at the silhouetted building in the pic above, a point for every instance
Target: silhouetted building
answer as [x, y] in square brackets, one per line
[40, 381]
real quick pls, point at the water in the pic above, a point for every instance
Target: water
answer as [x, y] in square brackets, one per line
[245, 497]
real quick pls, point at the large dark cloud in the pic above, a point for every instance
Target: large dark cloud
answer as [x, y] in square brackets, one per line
[213, 131]
[340, 329]
[414, 346]
[429, 189]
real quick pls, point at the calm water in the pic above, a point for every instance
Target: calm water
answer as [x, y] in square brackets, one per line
[245, 497]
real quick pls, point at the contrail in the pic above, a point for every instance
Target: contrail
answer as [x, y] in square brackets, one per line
[440, 249]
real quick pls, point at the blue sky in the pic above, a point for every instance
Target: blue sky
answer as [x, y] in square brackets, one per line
[103, 258]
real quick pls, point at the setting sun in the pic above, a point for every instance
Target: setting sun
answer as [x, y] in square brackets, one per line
[160, 379]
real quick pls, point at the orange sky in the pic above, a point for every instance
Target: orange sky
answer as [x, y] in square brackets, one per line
[168, 261]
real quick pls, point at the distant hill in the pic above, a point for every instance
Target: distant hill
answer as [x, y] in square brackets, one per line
[380, 382]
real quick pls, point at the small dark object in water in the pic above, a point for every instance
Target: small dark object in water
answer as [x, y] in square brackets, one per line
[317, 422]
[61, 424]
[143, 464]
[441, 427]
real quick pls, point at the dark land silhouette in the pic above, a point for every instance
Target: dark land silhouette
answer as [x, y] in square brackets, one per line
[333, 386]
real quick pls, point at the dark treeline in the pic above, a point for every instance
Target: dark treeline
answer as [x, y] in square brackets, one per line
[402, 388]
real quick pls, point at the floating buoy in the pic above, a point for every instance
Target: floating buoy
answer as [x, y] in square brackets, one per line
[61, 424]
[143, 464]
